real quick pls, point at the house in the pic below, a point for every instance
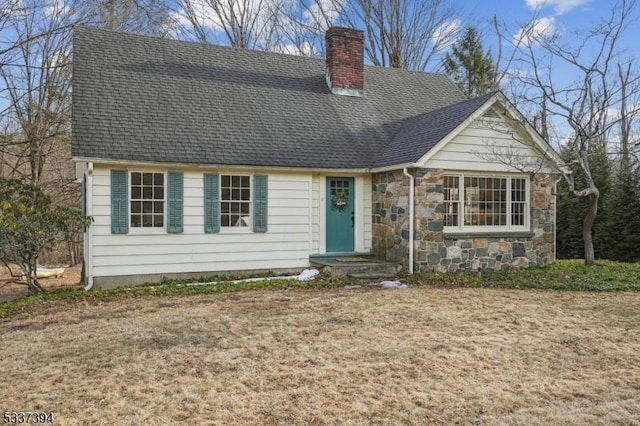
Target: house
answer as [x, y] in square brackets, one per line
[200, 159]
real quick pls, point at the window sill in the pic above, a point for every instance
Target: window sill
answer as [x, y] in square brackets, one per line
[487, 234]
[235, 230]
[147, 231]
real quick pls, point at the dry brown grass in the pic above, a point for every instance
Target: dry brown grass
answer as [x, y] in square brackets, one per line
[437, 356]
[70, 278]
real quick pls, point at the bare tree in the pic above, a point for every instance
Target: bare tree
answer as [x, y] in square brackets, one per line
[238, 23]
[301, 25]
[36, 80]
[405, 34]
[583, 106]
[151, 17]
[399, 33]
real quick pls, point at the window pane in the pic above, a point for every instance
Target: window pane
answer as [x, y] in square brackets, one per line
[235, 194]
[147, 220]
[245, 181]
[224, 207]
[147, 207]
[225, 220]
[245, 195]
[484, 201]
[135, 179]
[147, 178]
[136, 206]
[518, 201]
[158, 207]
[235, 181]
[147, 193]
[158, 221]
[158, 192]
[235, 207]
[136, 193]
[158, 179]
[451, 200]
[135, 220]
[245, 208]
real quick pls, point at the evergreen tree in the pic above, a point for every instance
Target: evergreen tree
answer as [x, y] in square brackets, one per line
[623, 219]
[469, 66]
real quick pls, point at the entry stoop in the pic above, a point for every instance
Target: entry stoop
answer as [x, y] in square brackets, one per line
[362, 267]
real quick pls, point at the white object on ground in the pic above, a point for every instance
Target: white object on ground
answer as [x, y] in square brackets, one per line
[393, 284]
[44, 272]
[308, 274]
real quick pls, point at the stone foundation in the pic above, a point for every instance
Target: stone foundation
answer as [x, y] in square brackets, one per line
[435, 250]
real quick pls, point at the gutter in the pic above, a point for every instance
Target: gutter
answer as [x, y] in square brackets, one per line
[411, 216]
[205, 167]
[88, 240]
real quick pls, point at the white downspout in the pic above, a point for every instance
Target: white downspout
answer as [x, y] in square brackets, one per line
[411, 214]
[88, 240]
[555, 218]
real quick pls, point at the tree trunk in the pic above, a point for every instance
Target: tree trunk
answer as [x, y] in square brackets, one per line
[587, 228]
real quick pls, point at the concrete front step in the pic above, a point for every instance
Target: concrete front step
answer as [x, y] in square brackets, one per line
[356, 264]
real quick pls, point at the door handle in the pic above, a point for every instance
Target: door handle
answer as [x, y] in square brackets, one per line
[352, 220]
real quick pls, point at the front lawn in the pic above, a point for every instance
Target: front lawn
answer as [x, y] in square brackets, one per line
[422, 355]
[605, 275]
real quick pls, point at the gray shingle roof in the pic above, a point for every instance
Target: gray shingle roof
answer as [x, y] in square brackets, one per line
[149, 99]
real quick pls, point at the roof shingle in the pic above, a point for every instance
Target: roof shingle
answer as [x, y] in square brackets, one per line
[148, 99]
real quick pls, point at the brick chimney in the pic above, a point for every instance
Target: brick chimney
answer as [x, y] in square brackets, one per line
[345, 61]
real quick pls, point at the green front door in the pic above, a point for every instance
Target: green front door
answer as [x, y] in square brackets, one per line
[340, 214]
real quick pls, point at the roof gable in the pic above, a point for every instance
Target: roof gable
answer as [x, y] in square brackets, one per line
[512, 141]
[418, 135]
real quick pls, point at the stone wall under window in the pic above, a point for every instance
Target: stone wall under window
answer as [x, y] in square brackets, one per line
[433, 249]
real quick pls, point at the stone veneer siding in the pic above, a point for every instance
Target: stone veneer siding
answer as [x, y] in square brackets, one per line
[433, 249]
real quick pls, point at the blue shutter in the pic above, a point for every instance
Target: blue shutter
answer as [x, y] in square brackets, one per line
[119, 201]
[175, 196]
[260, 196]
[211, 203]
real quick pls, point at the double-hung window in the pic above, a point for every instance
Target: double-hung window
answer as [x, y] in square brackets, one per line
[235, 207]
[147, 200]
[486, 203]
[232, 201]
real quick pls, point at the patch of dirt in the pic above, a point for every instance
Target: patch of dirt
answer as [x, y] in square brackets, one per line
[70, 278]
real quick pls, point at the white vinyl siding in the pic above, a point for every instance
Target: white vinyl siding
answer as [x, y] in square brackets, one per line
[284, 245]
[316, 205]
[484, 146]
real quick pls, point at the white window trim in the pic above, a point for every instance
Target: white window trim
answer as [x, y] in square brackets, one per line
[237, 229]
[486, 229]
[140, 230]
